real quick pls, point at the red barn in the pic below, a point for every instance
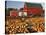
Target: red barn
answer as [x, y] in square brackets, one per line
[13, 13]
[33, 8]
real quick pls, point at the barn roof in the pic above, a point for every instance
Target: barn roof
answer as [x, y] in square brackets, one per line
[33, 5]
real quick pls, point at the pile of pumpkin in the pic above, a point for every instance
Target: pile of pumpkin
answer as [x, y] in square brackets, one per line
[24, 25]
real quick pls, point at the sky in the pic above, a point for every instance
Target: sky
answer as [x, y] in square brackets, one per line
[14, 4]
[18, 5]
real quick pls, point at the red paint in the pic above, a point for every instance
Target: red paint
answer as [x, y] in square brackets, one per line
[35, 10]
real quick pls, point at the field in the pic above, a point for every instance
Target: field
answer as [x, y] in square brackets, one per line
[24, 25]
